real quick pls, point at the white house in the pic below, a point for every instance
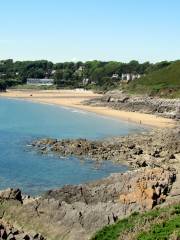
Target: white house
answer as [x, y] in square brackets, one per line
[40, 81]
[115, 76]
[127, 77]
[85, 81]
[53, 71]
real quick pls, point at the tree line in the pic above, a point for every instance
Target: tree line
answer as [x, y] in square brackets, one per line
[71, 74]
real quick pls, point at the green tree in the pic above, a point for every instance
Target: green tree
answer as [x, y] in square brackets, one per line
[58, 77]
[3, 86]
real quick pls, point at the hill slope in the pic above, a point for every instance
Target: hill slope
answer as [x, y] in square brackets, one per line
[164, 82]
[161, 224]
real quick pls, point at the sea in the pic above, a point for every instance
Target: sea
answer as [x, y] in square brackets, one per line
[21, 122]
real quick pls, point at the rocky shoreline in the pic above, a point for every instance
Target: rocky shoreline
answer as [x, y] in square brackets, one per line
[78, 211]
[152, 148]
[168, 108]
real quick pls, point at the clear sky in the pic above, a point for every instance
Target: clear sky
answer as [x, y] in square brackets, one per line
[66, 30]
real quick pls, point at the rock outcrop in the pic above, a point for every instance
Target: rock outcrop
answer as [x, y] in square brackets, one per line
[13, 198]
[154, 148]
[149, 189]
[8, 232]
[169, 108]
[11, 194]
[77, 212]
[134, 187]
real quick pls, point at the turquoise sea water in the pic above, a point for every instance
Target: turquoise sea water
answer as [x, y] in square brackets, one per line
[21, 122]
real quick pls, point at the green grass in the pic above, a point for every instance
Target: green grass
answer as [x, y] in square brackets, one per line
[164, 82]
[157, 224]
[162, 231]
[113, 231]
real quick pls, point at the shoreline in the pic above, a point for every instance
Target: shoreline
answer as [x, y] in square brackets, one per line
[152, 176]
[152, 181]
[74, 99]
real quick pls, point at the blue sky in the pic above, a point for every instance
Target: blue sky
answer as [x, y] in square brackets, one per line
[66, 30]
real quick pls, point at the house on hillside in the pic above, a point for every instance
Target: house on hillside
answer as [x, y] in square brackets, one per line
[115, 76]
[79, 71]
[127, 77]
[40, 81]
[85, 81]
[53, 72]
[3, 74]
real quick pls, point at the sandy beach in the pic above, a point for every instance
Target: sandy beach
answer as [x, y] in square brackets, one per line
[74, 99]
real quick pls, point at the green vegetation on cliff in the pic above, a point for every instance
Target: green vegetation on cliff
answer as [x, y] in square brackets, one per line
[91, 74]
[162, 78]
[163, 82]
[161, 224]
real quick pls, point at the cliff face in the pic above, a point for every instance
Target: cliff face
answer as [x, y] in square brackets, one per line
[169, 108]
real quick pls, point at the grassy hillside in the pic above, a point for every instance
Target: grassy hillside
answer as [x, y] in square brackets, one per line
[158, 224]
[164, 82]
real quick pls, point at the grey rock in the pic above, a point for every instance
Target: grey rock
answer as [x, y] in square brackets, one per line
[169, 108]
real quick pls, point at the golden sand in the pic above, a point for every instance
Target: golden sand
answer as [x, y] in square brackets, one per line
[74, 99]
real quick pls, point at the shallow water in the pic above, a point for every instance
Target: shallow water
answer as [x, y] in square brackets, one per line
[21, 122]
